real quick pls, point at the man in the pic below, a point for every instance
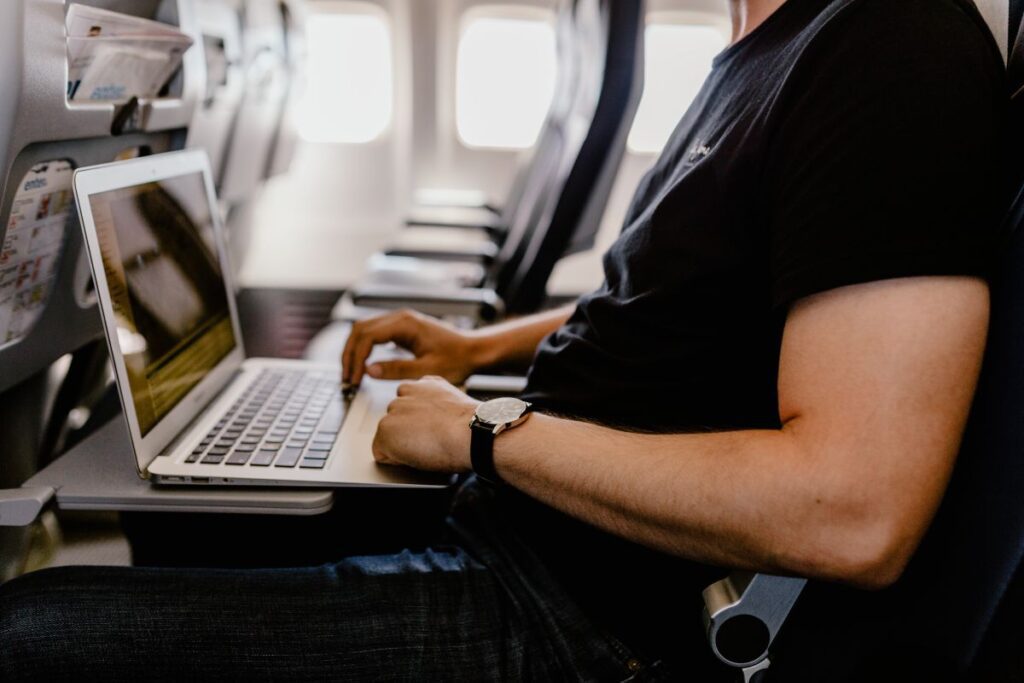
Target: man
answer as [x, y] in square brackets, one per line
[774, 376]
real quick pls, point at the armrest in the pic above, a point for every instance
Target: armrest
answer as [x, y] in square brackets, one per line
[484, 387]
[481, 252]
[21, 507]
[744, 612]
[450, 197]
[481, 304]
[456, 217]
[413, 272]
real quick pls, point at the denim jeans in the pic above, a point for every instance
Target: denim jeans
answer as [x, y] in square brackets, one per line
[481, 607]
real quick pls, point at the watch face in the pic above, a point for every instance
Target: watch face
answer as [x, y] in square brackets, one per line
[501, 411]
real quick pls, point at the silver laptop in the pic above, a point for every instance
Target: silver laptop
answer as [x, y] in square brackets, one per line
[198, 411]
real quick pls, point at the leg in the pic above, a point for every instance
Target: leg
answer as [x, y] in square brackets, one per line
[438, 615]
[362, 522]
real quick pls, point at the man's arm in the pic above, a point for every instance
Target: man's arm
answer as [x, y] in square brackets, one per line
[875, 383]
[443, 350]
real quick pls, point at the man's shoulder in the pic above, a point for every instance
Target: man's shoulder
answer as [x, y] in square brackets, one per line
[953, 28]
[913, 45]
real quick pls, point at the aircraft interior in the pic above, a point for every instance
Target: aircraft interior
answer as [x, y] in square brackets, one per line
[264, 260]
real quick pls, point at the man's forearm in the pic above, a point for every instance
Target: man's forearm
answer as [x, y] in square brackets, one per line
[745, 499]
[700, 496]
[512, 344]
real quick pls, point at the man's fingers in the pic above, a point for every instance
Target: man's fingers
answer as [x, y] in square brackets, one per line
[378, 447]
[346, 353]
[396, 369]
[396, 327]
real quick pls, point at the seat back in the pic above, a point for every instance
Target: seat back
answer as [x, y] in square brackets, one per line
[538, 165]
[214, 121]
[286, 140]
[978, 536]
[610, 40]
[47, 307]
[265, 66]
[933, 621]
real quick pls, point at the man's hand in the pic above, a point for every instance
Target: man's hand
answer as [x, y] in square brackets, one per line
[443, 350]
[439, 349]
[427, 427]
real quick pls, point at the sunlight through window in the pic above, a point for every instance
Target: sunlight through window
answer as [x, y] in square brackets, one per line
[505, 81]
[678, 60]
[349, 96]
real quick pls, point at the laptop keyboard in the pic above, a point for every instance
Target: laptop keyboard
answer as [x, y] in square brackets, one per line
[286, 418]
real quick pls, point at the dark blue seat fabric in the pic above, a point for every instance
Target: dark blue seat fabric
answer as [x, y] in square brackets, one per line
[933, 623]
[569, 221]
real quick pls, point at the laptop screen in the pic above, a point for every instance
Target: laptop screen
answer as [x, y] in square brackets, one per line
[162, 267]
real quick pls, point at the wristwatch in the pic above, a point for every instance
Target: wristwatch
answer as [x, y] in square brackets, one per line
[491, 419]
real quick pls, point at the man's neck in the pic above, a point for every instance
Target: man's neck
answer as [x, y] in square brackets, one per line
[747, 15]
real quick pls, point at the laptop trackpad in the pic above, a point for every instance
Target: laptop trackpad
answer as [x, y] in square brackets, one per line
[355, 442]
[378, 400]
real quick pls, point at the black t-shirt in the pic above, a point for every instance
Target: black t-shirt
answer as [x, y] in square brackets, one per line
[841, 142]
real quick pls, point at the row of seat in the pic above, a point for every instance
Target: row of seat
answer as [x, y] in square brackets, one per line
[501, 261]
[961, 615]
[232, 97]
[971, 557]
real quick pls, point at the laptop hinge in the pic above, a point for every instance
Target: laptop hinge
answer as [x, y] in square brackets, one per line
[21, 507]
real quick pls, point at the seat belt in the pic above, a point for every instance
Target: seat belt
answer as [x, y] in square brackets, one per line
[1015, 54]
[1016, 18]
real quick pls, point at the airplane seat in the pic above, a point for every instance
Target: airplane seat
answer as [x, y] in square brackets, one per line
[286, 139]
[446, 233]
[957, 613]
[253, 137]
[574, 220]
[610, 84]
[48, 314]
[215, 118]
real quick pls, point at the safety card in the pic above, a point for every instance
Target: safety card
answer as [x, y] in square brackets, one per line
[30, 253]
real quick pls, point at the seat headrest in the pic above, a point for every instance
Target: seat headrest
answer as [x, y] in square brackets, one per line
[997, 15]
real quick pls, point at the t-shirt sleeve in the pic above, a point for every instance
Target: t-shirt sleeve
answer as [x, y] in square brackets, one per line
[887, 162]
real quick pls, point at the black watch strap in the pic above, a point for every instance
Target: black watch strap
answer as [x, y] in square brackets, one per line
[481, 451]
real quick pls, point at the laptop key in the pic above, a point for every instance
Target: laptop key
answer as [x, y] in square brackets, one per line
[262, 458]
[218, 450]
[213, 460]
[310, 464]
[333, 418]
[289, 457]
[239, 458]
[316, 455]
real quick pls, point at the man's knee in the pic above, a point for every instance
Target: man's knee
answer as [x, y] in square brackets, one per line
[35, 625]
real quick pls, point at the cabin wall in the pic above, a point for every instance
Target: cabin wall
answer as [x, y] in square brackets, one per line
[354, 196]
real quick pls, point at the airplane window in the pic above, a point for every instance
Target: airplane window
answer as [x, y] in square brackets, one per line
[678, 59]
[505, 81]
[348, 98]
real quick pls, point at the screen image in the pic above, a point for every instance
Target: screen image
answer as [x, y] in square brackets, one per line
[169, 299]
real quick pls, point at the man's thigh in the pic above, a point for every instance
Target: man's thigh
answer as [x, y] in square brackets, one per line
[436, 615]
[362, 522]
